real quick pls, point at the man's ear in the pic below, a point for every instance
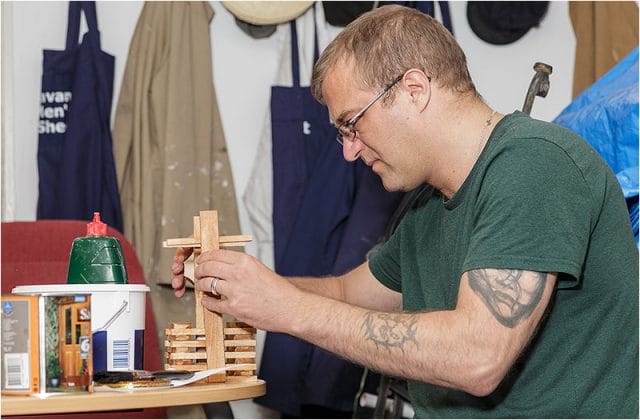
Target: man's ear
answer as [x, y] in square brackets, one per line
[418, 85]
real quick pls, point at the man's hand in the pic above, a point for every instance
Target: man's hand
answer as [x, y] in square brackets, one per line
[249, 290]
[177, 270]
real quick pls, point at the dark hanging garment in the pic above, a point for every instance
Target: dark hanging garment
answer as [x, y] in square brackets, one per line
[327, 213]
[428, 8]
[75, 156]
[341, 13]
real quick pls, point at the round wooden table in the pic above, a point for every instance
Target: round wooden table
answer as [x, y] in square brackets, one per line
[235, 388]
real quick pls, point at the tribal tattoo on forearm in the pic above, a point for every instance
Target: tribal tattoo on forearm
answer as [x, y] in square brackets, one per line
[510, 295]
[390, 330]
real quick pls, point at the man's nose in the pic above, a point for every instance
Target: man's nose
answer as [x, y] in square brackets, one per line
[351, 150]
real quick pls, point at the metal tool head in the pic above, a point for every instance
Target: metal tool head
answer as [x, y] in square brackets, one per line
[539, 85]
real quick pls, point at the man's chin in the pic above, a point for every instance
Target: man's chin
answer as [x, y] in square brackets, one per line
[389, 185]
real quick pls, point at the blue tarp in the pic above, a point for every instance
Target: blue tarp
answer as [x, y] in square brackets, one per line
[606, 115]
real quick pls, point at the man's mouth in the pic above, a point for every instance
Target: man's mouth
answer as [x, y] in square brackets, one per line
[369, 162]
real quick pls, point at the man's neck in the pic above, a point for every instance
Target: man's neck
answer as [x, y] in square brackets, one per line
[460, 131]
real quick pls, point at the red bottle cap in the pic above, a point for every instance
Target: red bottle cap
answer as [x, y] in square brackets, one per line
[96, 227]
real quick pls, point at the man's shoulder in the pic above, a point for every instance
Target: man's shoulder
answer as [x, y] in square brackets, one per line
[520, 126]
[546, 141]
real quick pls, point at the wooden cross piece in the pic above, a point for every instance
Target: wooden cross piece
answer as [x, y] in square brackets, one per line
[206, 238]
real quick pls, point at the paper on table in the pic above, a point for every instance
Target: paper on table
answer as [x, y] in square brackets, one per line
[175, 383]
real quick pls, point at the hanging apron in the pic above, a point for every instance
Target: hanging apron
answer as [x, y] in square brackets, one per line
[314, 192]
[75, 156]
[428, 7]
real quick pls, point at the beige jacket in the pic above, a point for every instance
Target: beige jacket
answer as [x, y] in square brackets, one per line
[606, 31]
[170, 151]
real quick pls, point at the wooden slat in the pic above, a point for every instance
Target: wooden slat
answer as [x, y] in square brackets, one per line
[188, 355]
[213, 323]
[194, 367]
[239, 331]
[198, 294]
[240, 354]
[186, 343]
[245, 343]
[233, 244]
[186, 331]
[196, 229]
[197, 244]
[190, 242]
[236, 368]
[243, 373]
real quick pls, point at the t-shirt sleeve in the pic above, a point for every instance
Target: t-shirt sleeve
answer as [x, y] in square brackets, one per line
[384, 264]
[531, 213]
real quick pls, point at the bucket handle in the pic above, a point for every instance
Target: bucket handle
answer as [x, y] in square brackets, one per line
[113, 317]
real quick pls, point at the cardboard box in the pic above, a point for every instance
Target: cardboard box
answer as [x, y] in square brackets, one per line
[46, 344]
[20, 345]
[65, 343]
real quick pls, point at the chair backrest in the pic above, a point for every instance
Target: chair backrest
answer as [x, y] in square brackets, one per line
[38, 253]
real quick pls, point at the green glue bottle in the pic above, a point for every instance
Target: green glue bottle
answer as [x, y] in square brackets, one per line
[96, 258]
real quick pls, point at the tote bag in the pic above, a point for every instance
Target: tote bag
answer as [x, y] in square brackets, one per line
[75, 156]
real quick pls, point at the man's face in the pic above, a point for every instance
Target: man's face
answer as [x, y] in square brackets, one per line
[377, 135]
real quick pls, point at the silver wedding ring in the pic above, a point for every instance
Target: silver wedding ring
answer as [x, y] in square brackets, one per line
[214, 283]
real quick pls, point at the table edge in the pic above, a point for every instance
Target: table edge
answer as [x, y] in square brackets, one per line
[116, 401]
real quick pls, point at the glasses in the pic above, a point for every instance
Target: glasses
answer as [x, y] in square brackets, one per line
[347, 130]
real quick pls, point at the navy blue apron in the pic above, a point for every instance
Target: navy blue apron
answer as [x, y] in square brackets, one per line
[76, 168]
[428, 8]
[315, 194]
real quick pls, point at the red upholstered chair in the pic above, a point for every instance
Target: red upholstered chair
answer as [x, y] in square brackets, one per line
[38, 253]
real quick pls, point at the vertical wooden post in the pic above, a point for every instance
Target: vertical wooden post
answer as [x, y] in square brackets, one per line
[198, 294]
[213, 325]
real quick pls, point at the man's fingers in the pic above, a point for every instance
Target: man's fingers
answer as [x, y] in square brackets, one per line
[214, 269]
[177, 282]
[177, 267]
[182, 254]
[205, 284]
[214, 304]
[220, 255]
[179, 258]
[179, 292]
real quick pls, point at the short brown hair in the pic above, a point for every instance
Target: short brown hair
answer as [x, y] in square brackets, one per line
[388, 41]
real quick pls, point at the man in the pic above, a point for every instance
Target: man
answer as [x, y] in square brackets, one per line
[510, 290]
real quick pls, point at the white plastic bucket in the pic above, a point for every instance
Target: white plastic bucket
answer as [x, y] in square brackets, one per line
[117, 320]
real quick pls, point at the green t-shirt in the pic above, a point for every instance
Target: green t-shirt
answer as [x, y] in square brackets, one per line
[539, 198]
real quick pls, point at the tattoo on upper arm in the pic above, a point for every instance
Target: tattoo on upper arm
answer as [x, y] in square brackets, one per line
[390, 330]
[510, 295]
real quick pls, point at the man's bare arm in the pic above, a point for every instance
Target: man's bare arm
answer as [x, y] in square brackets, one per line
[358, 287]
[470, 348]
[510, 295]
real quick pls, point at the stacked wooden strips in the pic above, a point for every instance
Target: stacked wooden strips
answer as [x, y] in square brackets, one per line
[240, 349]
[185, 348]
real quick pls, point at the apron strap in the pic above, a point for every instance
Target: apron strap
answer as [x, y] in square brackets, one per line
[428, 7]
[295, 57]
[446, 16]
[73, 20]
[316, 50]
[295, 63]
[425, 7]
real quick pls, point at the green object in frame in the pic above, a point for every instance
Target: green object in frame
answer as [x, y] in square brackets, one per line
[96, 258]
